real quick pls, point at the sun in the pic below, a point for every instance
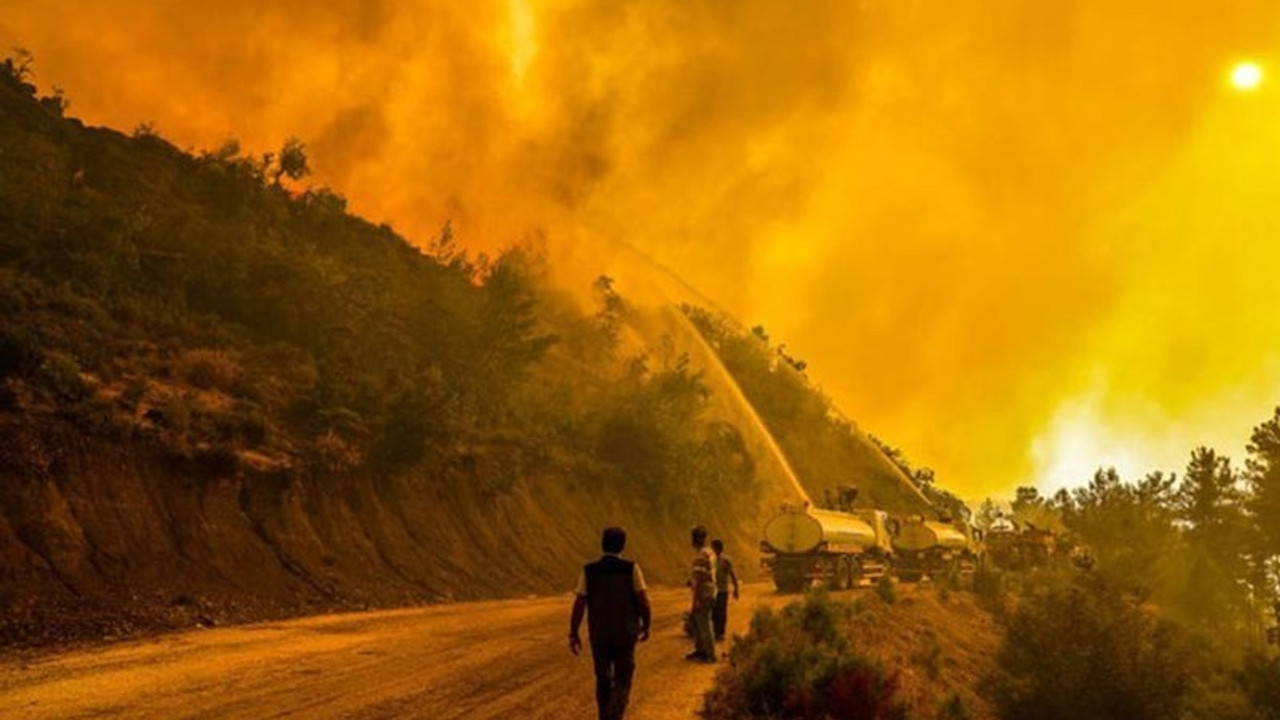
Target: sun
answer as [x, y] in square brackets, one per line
[1246, 76]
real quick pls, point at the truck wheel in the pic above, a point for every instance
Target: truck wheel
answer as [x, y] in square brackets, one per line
[836, 574]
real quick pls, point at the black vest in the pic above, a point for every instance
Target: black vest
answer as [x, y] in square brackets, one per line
[613, 615]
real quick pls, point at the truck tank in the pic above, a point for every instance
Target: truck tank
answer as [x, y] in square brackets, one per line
[918, 536]
[803, 544]
[797, 531]
[925, 547]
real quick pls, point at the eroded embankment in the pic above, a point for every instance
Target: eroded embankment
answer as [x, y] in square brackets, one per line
[100, 541]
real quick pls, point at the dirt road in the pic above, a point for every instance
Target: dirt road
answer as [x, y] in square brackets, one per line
[499, 659]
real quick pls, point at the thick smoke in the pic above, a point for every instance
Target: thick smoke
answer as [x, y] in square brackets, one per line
[1017, 238]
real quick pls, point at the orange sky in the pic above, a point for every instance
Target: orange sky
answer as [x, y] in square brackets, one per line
[1018, 238]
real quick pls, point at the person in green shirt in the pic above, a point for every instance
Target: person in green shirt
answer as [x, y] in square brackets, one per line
[724, 576]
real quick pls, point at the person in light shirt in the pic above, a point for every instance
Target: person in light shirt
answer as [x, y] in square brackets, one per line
[612, 595]
[702, 581]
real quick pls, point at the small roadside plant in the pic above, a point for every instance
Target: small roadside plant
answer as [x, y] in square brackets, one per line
[954, 709]
[798, 664]
[886, 590]
[1260, 680]
[989, 588]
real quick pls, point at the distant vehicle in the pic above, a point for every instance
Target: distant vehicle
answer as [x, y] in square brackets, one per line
[934, 548]
[839, 548]
[1014, 547]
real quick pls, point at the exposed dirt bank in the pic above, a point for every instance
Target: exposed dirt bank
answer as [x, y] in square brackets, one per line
[108, 542]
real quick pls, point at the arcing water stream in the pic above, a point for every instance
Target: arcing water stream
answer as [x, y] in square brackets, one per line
[737, 403]
[727, 399]
[664, 288]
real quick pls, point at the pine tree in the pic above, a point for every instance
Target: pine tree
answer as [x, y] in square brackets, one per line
[1209, 498]
[1210, 504]
[987, 514]
[1263, 503]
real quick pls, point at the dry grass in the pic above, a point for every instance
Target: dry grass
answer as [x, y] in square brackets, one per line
[940, 644]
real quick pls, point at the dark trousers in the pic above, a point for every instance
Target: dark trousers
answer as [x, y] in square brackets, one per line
[704, 641]
[720, 614]
[615, 664]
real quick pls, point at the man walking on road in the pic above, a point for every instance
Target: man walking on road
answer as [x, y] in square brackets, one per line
[724, 575]
[703, 583]
[612, 594]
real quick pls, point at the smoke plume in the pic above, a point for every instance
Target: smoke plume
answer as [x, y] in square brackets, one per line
[1017, 238]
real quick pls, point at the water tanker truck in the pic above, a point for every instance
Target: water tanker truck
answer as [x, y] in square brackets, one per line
[1014, 547]
[926, 547]
[839, 548]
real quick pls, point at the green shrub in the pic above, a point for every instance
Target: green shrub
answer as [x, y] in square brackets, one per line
[928, 656]
[1078, 648]
[951, 579]
[145, 130]
[1218, 696]
[208, 369]
[798, 664]
[886, 589]
[342, 420]
[331, 454]
[1260, 681]
[989, 587]
[99, 415]
[17, 67]
[56, 102]
[135, 390]
[252, 425]
[19, 353]
[61, 375]
[954, 709]
[244, 422]
[174, 414]
[67, 301]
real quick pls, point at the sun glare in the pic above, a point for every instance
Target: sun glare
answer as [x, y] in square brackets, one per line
[1246, 76]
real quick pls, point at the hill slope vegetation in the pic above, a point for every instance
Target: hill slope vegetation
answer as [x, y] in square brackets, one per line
[222, 397]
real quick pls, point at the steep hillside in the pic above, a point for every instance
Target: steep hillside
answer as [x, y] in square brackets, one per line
[223, 398]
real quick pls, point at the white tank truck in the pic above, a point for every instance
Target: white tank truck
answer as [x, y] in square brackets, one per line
[934, 548]
[839, 548]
